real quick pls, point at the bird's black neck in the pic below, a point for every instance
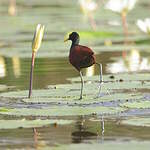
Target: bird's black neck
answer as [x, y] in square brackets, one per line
[75, 42]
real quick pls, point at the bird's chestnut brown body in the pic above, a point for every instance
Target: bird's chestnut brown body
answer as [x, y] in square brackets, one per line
[81, 57]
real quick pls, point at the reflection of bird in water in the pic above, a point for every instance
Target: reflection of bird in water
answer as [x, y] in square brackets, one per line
[133, 62]
[81, 134]
[86, 129]
[122, 7]
[81, 57]
[2, 67]
[12, 8]
[88, 7]
[102, 126]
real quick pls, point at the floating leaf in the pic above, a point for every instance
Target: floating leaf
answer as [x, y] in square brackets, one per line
[4, 110]
[88, 99]
[136, 145]
[5, 87]
[137, 122]
[69, 94]
[12, 124]
[137, 105]
[116, 77]
[96, 34]
[63, 111]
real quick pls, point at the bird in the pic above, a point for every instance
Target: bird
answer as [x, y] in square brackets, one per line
[81, 57]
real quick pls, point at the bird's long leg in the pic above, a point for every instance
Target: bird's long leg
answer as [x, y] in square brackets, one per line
[82, 84]
[101, 76]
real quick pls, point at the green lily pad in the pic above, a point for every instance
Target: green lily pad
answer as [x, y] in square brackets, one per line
[136, 105]
[145, 122]
[96, 34]
[116, 77]
[136, 145]
[12, 124]
[69, 93]
[56, 91]
[62, 111]
[87, 99]
[5, 87]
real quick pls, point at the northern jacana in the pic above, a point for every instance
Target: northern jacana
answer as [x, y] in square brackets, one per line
[81, 57]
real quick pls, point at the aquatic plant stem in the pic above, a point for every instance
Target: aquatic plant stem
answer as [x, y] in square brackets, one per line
[125, 28]
[124, 23]
[92, 21]
[31, 73]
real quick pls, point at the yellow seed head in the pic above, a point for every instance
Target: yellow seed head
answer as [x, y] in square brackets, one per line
[37, 39]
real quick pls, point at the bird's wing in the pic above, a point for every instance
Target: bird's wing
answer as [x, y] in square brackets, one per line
[79, 55]
[84, 51]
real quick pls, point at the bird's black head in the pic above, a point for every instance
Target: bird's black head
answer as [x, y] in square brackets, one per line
[74, 36]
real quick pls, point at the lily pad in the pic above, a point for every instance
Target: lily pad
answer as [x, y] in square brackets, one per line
[12, 124]
[136, 105]
[56, 91]
[116, 77]
[63, 111]
[96, 34]
[69, 93]
[145, 122]
[87, 99]
[5, 87]
[136, 145]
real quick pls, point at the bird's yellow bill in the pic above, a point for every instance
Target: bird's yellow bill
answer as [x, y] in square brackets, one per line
[37, 39]
[66, 38]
